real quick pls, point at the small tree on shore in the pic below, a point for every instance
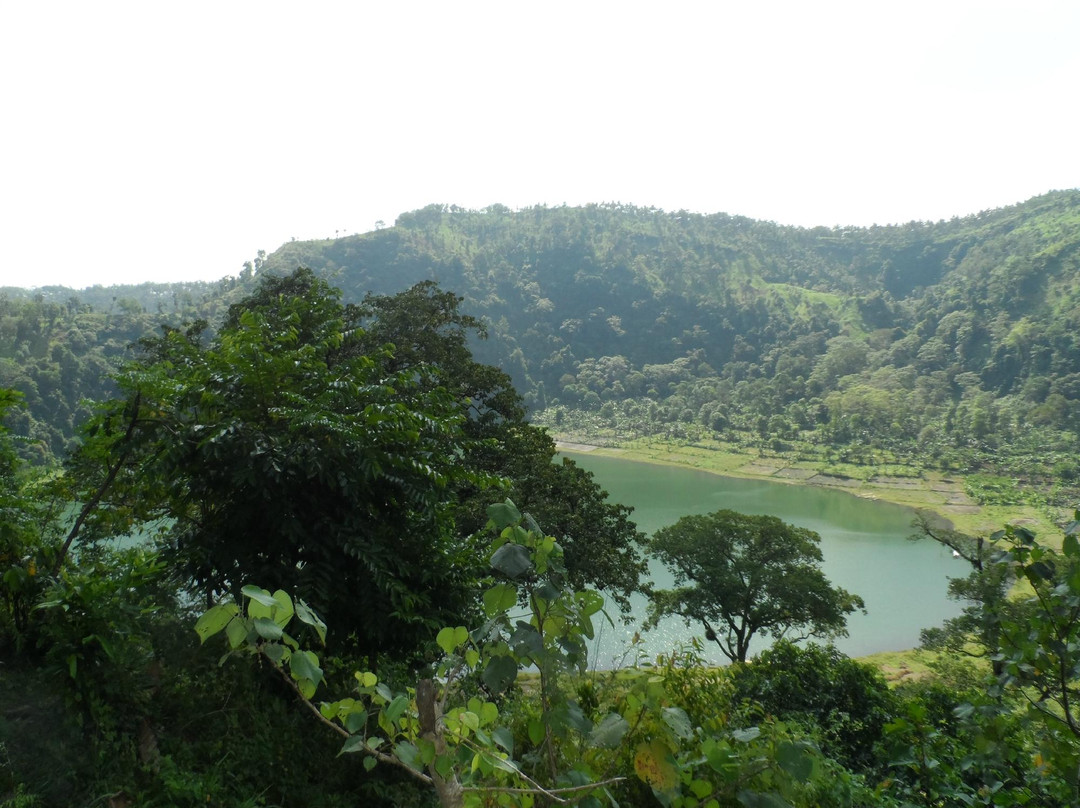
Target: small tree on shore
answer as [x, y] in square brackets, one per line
[742, 576]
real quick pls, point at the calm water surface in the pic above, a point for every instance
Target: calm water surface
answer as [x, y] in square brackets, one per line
[864, 543]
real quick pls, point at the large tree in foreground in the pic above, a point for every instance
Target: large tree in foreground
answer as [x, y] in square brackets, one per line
[742, 576]
[277, 453]
[428, 330]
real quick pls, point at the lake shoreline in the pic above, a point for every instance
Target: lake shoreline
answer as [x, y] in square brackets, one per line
[935, 492]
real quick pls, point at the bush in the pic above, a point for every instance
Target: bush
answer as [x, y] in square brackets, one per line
[817, 685]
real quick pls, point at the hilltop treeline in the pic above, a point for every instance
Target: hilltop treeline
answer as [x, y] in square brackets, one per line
[951, 344]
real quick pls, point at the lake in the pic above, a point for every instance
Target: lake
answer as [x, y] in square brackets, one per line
[864, 543]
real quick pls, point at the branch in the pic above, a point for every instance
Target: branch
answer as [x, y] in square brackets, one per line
[553, 793]
[382, 757]
[534, 787]
[92, 503]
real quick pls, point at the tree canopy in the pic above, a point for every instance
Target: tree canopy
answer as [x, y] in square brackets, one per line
[742, 576]
[283, 456]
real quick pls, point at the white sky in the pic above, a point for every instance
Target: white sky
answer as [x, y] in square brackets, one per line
[171, 141]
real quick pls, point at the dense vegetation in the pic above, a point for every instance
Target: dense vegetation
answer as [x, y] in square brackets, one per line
[345, 450]
[946, 344]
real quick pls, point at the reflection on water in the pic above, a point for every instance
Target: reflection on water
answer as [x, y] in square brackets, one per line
[864, 543]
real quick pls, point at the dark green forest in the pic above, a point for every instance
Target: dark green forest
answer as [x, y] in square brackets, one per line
[299, 537]
[946, 344]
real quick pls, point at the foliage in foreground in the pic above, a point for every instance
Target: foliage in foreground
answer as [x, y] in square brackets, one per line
[450, 732]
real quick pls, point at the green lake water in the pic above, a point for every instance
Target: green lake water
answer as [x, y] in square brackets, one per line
[864, 543]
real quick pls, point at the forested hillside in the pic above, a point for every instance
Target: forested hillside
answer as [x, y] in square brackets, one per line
[951, 344]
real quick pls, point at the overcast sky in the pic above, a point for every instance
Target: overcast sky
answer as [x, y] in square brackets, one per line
[172, 141]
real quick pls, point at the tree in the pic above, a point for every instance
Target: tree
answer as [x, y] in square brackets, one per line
[280, 454]
[428, 330]
[740, 576]
[976, 632]
[25, 555]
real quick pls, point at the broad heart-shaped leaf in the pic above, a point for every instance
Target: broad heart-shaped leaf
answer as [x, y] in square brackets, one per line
[653, 764]
[500, 673]
[267, 628]
[259, 595]
[796, 760]
[215, 620]
[504, 514]
[305, 665]
[450, 639]
[512, 560]
[284, 611]
[274, 652]
[609, 732]
[305, 614]
[499, 598]
[353, 744]
[356, 720]
[678, 722]
[237, 632]
[445, 639]
[504, 738]
[1070, 546]
[408, 754]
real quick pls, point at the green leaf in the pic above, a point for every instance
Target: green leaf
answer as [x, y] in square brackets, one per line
[356, 720]
[499, 598]
[512, 560]
[353, 744]
[305, 665]
[370, 762]
[284, 611]
[307, 616]
[504, 738]
[678, 722]
[274, 652]
[796, 760]
[500, 673]
[1071, 546]
[267, 628]
[446, 639]
[504, 514]
[214, 620]
[537, 731]
[259, 595]
[237, 632]
[395, 708]
[609, 733]
[408, 754]
[701, 788]
[746, 735]
[427, 751]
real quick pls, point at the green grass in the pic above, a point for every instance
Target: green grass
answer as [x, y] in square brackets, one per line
[936, 491]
